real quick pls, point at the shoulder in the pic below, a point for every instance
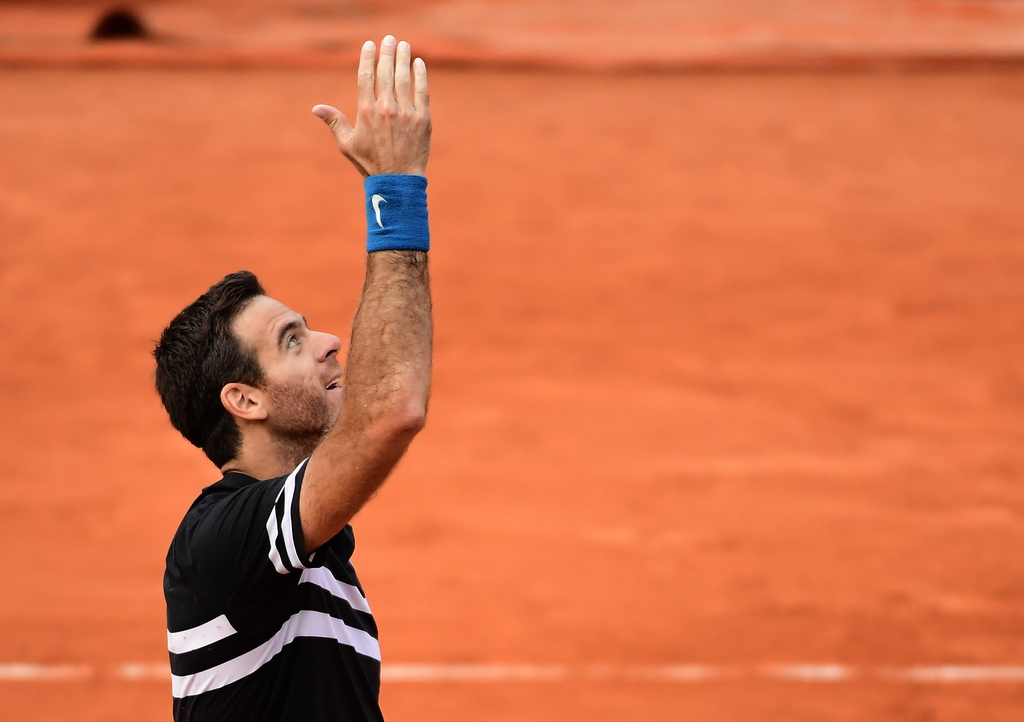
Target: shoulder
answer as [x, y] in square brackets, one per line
[229, 501]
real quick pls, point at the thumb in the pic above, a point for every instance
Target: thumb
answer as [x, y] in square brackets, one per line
[335, 120]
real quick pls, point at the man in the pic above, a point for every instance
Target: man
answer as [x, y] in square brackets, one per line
[266, 618]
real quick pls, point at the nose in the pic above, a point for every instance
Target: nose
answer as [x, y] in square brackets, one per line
[328, 346]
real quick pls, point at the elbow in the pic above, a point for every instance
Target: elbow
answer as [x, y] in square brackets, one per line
[403, 420]
[394, 416]
[410, 421]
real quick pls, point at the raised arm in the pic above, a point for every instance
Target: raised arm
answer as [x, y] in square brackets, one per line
[387, 373]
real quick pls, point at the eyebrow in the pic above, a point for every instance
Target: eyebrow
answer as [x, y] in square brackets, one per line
[288, 327]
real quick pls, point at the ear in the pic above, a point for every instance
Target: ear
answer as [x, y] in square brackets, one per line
[244, 402]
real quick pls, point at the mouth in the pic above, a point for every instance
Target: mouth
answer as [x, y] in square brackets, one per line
[334, 383]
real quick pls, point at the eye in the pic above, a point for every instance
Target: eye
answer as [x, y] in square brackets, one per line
[292, 341]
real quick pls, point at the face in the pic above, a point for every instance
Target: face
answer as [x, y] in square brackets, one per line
[302, 374]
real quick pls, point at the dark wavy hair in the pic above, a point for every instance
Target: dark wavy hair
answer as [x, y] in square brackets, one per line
[197, 355]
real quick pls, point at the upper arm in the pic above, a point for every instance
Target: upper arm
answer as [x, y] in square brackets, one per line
[344, 472]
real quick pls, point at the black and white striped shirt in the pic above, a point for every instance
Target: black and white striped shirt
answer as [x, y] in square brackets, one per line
[258, 631]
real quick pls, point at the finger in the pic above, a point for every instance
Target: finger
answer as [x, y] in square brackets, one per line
[386, 69]
[365, 77]
[337, 122]
[421, 98]
[402, 75]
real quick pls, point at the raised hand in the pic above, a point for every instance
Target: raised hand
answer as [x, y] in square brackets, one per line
[392, 128]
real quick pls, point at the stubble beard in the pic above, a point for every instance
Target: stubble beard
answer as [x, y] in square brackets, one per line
[299, 421]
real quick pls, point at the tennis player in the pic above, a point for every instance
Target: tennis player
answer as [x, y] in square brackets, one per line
[266, 617]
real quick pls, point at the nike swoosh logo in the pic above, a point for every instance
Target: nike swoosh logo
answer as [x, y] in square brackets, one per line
[376, 200]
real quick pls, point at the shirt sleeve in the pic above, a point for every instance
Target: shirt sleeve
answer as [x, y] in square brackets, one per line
[249, 542]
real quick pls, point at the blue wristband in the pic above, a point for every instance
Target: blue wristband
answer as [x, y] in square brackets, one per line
[396, 213]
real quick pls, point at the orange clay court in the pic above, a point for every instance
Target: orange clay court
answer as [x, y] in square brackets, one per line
[728, 412]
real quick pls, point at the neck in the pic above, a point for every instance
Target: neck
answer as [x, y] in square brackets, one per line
[267, 457]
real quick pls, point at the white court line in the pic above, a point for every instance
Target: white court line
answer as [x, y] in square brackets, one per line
[672, 672]
[43, 672]
[957, 673]
[135, 672]
[809, 672]
[830, 673]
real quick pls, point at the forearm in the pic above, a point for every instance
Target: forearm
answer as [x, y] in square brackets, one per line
[387, 385]
[389, 359]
